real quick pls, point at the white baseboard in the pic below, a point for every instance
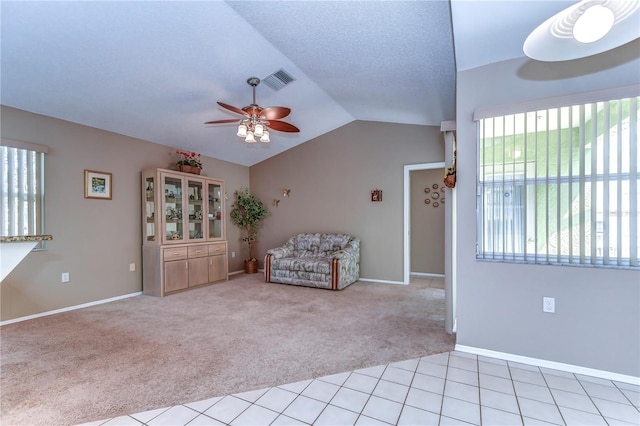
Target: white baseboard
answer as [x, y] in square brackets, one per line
[427, 275]
[380, 281]
[241, 271]
[70, 308]
[576, 369]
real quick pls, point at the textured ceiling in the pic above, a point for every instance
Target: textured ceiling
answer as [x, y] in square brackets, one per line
[154, 70]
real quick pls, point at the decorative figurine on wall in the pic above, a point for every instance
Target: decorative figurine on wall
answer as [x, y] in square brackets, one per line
[376, 195]
[286, 192]
[276, 202]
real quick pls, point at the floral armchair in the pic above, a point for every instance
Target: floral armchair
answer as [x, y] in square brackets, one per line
[330, 261]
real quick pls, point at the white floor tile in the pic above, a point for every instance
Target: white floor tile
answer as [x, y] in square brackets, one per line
[350, 399]
[409, 365]
[305, 409]
[392, 391]
[376, 371]
[497, 384]
[448, 421]
[462, 376]
[494, 369]
[296, 387]
[499, 401]
[625, 412]
[462, 391]
[461, 410]
[368, 421]
[540, 410]
[610, 393]
[255, 416]
[227, 409]
[424, 400]
[527, 376]
[442, 359]
[382, 409]
[283, 420]
[146, 416]
[412, 416]
[463, 363]
[397, 375]
[178, 415]
[431, 369]
[632, 396]
[204, 405]
[361, 382]
[493, 417]
[568, 384]
[251, 396]
[276, 399]
[428, 383]
[580, 418]
[322, 391]
[336, 379]
[535, 392]
[332, 416]
[574, 401]
[122, 421]
[204, 420]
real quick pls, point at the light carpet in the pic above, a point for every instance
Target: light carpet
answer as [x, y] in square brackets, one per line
[145, 352]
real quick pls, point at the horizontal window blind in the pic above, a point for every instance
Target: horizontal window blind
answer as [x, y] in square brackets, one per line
[560, 185]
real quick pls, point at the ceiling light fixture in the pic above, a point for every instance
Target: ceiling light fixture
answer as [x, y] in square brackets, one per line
[584, 29]
[254, 125]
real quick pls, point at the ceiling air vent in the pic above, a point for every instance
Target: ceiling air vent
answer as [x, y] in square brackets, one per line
[278, 79]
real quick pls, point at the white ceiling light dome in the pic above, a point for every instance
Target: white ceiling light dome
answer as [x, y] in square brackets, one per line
[584, 29]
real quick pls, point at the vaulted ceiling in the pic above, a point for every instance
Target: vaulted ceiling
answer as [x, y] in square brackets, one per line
[155, 70]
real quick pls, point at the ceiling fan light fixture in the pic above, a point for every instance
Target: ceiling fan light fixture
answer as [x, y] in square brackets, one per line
[258, 129]
[250, 138]
[242, 131]
[593, 24]
[265, 137]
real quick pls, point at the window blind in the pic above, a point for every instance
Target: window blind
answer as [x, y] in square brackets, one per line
[560, 185]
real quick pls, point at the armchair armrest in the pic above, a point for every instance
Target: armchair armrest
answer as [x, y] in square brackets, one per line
[279, 252]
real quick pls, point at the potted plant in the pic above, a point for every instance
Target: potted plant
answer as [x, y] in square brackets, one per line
[247, 211]
[189, 162]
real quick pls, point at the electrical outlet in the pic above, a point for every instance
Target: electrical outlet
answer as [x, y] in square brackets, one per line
[549, 305]
[64, 277]
[233, 254]
[132, 267]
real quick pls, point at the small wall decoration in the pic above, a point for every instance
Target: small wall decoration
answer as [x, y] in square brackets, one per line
[275, 202]
[97, 185]
[286, 192]
[427, 201]
[434, 195]
[376, 195]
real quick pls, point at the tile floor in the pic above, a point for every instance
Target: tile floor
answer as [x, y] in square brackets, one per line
[453, 388]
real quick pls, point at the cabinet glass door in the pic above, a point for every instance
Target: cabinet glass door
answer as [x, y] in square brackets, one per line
[150, 209]
[214, 210]
[196, 220]
[173, 204]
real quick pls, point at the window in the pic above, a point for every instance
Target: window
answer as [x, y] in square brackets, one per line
[560, 185]
[22, 180]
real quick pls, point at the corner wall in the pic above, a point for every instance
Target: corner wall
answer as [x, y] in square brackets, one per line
[331, 179]
[93, 240]
[597, 319]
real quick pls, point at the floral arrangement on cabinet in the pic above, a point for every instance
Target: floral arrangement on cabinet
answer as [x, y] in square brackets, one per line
[189, 159]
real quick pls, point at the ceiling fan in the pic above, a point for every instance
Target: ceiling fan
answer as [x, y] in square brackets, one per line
[258, 119]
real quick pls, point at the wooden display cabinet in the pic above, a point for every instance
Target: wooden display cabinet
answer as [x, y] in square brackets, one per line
[183, 231]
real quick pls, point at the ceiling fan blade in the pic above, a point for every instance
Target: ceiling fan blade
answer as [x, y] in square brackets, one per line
[229, 120]
[282, 126]
[275, 112]
[232, 108]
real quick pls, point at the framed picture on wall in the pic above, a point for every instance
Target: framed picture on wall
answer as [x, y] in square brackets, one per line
[376, 195]
[97, 185]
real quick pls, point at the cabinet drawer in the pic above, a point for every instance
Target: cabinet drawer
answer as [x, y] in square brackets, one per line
[176, 253]
[217, 249]
[198, 251]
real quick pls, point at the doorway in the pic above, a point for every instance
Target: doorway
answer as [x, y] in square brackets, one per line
[449, 295]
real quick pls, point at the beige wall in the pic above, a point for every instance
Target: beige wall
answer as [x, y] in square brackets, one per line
[94, 240]
[331, 178]
[427, 222]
